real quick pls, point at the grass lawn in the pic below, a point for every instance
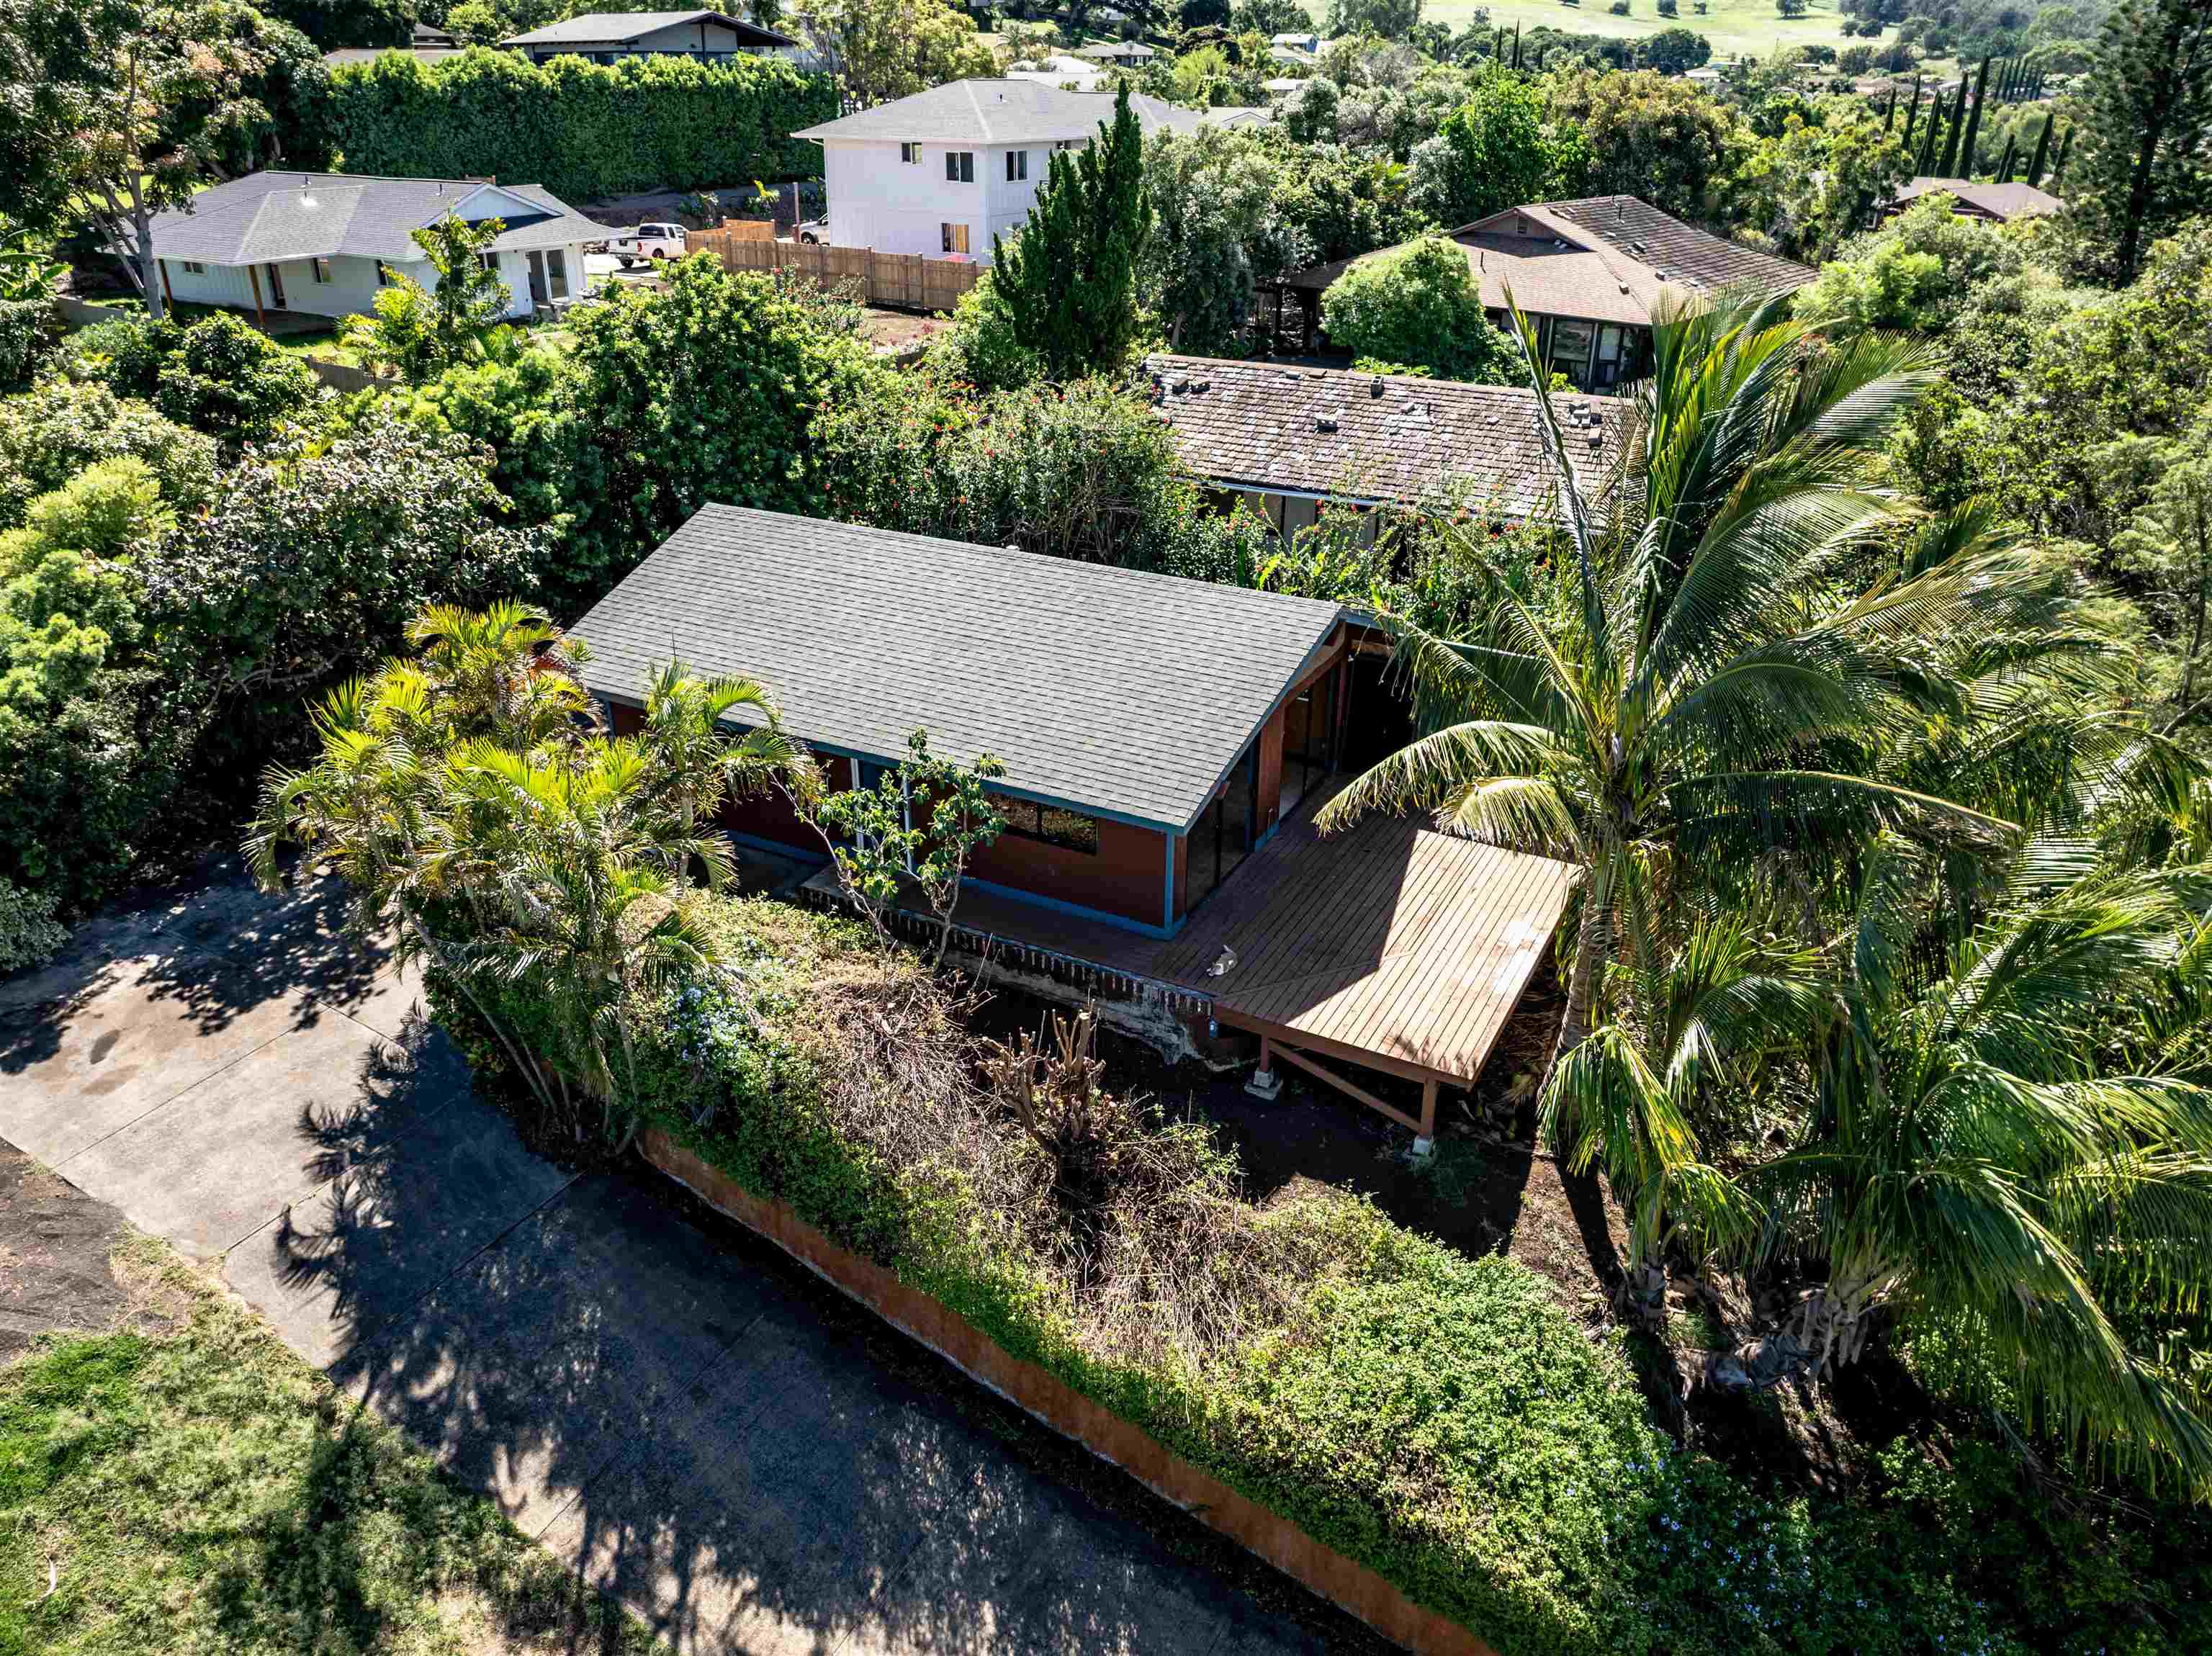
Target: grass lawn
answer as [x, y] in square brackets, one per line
[1735, 27]
[202, 1490]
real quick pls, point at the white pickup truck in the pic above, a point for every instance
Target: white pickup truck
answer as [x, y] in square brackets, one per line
[648, 241]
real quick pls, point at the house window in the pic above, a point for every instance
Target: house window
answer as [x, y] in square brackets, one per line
[955, 237]
[556, 273]
[322, 269]
[910, 154]
[1018, 165]
[193, 267]
[384, 276]
[1069, 830]
[1069, 144]
[489, 263]
[960, 167]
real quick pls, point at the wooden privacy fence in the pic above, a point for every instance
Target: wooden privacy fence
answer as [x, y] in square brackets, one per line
[908, 281]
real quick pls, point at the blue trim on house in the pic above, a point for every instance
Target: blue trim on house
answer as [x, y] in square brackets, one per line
[1077, 909]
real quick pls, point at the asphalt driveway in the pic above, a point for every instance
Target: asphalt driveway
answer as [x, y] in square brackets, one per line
[668, 1410]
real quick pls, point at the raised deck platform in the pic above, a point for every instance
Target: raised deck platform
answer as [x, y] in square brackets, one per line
[1388, 946]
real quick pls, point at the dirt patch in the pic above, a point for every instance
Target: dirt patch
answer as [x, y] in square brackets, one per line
[1487, 1190]
[58, 1254]
[897, 330]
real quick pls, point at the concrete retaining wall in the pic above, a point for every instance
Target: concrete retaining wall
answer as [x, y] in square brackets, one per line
[1351, 1586]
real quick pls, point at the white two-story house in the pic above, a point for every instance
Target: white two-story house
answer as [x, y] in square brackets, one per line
[941, 173]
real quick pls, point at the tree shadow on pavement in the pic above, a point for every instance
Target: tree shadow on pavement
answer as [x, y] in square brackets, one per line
[673, 1415]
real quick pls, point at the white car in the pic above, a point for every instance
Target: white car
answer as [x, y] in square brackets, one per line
[814, 230]
[648, 241]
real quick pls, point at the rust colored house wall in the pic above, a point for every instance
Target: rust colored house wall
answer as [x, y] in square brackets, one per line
[1271, 771]
[1126, 875]
[769, 817]
[1352, 1585]
[1181, 874]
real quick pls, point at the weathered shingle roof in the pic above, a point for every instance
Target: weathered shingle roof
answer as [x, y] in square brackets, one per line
[279, 215]
[1001, 112]
[2000, 201]
[1369, 437]
[1117, 693]
[616, 27]
[1608, 258]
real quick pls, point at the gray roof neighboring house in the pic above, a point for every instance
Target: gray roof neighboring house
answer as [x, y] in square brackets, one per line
[1608, 258]
[1340, 435]
[1115, 693]
[266, 216]
[1981, 199]
[1109, 51]
[614, 29]
[1003, 111]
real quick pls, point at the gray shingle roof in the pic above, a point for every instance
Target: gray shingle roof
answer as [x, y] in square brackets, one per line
[1000, 111]
[1122, 693]
[614, 28]
[1372, 437]
[280, 215]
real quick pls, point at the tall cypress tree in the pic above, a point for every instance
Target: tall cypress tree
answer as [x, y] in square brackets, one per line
[1068, 280]
[2058, 166]
[2011, 153]
[1516, 45]
[1912, 115]
[1949, 158]
[2042, 150]
[1889, 111]
[1974, 126]
[2148, 153]
[1925, 166]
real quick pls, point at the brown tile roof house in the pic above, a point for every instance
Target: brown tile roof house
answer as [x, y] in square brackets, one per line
[1336, 434]
[1999, 203]
[1606, 258]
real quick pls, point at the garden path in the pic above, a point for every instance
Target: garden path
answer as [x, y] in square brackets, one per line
[675, 1413]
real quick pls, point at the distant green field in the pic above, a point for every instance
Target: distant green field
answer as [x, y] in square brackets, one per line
[1736, 27]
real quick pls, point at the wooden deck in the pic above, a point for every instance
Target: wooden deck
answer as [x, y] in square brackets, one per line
[1388, 946]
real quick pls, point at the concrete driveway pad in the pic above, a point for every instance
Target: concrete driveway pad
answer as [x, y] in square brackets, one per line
[134, 1034]
[207, 1168]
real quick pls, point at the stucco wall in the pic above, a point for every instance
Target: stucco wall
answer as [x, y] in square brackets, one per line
[878, 201]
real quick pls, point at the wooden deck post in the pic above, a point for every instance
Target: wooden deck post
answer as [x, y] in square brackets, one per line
[1264, 1082]
[1425, 1141]
[259, 320]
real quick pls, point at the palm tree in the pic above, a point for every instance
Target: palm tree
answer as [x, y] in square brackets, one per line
[468, 796]
[1978, 1158]
[694, 762]
[1702, 1021]
[1699, 650]
[583, 858]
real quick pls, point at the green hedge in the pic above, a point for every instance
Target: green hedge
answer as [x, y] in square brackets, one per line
[579, 129]
[1441, 1419]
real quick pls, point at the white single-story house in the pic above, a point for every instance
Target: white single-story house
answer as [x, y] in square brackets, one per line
[1129, 54]
[939, 173]
[323, 243]
[1058, 69]
[712, 37]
